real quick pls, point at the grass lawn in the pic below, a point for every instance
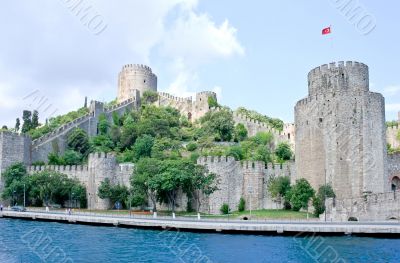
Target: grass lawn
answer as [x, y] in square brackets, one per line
[256, 214]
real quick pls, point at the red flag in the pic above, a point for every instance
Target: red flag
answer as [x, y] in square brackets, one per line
[326, 31]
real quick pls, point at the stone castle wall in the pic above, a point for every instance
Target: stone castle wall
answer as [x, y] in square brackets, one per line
[340, 131]
[391, 136]
[371, 207]
[193, 110]
[242, 179]
[134, 78]
[100, 166]
[56, 141]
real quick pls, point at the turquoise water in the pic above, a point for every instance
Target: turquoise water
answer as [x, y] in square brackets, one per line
[30, 241]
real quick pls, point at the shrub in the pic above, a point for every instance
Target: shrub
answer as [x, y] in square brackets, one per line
[242, 205]
[192, 146]
[225, 209]
[301, 194]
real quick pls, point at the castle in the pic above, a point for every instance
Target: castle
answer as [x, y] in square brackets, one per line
[339, 137]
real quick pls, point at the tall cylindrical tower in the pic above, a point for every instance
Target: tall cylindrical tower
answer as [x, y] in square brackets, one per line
[135, 77]
[340, 131]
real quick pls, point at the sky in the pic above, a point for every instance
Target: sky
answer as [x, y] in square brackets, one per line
[255, 54]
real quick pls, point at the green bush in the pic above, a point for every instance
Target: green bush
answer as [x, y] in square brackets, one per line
[301, 194]
[225, 209]
[192, 146]
[242, 205]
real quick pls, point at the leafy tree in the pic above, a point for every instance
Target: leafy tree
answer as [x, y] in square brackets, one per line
[220, 124]
[103, 124]
[263, 154]
[192, 146]
[78, 141]
[4, 128]
[145, 182]
[236, 152]
[54, 159]
[115, 193]
[17, 125]
[262, 138]
[301, 194]
[279, 187]
[72, 157]
[143, 146]
[283, 151]
[101, 143]
[212, 102]
[240, 132]
[325, 191]
[149, 97]
[128, 132]
[242, 205]
[35, 119]
[27, 118]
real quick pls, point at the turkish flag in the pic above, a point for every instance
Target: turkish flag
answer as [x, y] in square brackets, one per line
[326, 31]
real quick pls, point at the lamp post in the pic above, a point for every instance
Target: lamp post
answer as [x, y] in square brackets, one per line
[24, 197]
[250, 191]
[14, 195]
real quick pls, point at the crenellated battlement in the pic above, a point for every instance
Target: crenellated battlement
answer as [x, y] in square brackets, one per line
[349, 65]
[140, 67]
[10, 133]
[349, 76]
[102, 155]
[172, 97]
[206, 93]
[207, 160]
[61, 129]
[58, 168]
[119, 105]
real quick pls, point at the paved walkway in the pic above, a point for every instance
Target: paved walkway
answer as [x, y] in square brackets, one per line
[249, 227]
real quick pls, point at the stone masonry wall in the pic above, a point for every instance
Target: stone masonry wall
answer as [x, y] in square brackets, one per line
[340, 131]
[242, 179]
[100, 166]
[56, 140]
[371, 207]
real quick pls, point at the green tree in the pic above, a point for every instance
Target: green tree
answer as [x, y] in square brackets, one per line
[142, 147]
[78, 141]
[225, 209]
[242, 205]
[219, 123]
[283, 152]
[114, 193]
[35, 119]
[27, 118]
[324, 192]
[103, 124]
[149, 97]
[279, 187]
[17, 125]
[212, 102]
[301, 194]
[240, 132]
[146, 180]
[236, 152]
[72, 157]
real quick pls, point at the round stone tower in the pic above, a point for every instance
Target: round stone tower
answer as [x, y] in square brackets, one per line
[340, 131]
[135, 77]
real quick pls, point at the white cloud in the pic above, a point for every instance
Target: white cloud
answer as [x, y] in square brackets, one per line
[391, 90]
[52, 52]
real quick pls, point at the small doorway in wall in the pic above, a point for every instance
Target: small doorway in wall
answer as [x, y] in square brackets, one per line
[189, 116]
[395, 183]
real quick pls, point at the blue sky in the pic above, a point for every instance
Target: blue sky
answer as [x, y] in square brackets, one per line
[253, 53]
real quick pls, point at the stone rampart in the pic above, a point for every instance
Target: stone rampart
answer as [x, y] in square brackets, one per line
[245, 179]
[371, 207]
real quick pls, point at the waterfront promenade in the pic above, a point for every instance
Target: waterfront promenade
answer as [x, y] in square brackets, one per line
[217, 225]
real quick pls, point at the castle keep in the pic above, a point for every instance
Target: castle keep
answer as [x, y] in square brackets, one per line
[340, 131]
[339, 138]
